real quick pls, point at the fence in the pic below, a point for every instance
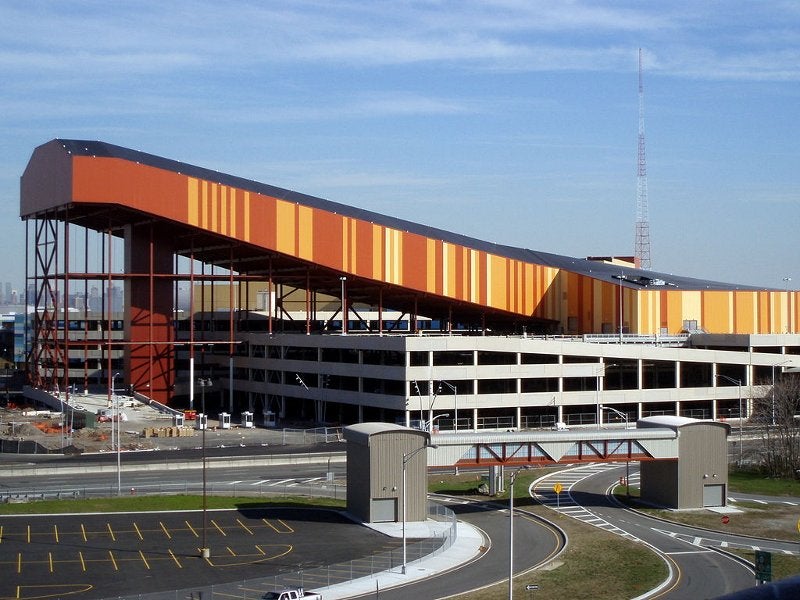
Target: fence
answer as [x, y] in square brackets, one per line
[314, 489]
[323, 577]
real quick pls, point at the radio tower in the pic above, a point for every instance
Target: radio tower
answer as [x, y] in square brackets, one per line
[642, 244]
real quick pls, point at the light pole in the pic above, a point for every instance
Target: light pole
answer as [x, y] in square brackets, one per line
[430, 423]
[203, 383]
[455, 403]
[619, 413]
[738, 382]
[343, 279]
[773, 388]
[407, 456]
[511, 530]
[116, 418]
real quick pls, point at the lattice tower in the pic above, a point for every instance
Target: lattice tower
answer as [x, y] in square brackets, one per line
[642, 243]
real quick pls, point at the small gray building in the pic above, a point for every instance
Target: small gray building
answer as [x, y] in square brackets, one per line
[698, 477]
[377, 456]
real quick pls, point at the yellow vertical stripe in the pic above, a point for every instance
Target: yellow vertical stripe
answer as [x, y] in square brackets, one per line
[306, 233]
[192, 201]
[204, 205]
[233, 203]
[353, 245]
[430, 266]
[214, 206]
[489, 277]
[223, 209]
[445, 269]
[377, 252]
[286, 227]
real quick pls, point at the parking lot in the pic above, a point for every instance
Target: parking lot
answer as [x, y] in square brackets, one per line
[106, 555]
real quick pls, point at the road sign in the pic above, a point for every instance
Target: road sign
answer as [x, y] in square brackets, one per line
[558, 487]
[531, 587]
[763, 566]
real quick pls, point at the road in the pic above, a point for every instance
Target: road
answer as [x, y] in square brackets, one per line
[699, 566]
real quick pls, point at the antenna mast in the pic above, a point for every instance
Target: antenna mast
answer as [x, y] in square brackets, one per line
[642, 244]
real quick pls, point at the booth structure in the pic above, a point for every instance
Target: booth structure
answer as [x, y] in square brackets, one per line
[247, 420]
[224, 420]
[381, 458]
[201, 421]
[698, 476]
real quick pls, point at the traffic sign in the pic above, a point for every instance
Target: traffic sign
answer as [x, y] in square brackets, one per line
[763, 566]
[531, 587]
[558, 487]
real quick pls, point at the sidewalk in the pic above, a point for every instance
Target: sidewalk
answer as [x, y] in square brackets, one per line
[468, 545]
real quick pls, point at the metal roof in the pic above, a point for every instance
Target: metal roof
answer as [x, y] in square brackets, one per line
[620, 275]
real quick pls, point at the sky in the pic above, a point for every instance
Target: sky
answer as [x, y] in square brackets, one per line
[512, 121]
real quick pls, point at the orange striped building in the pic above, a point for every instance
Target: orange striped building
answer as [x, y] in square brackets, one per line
[163, 215]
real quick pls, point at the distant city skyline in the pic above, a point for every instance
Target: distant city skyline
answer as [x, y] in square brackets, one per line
[511, 122]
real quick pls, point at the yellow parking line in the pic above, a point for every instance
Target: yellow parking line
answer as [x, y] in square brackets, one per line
[214, 523]
[111, 532]
[83, 563]
[50, 560]
[29, 534]
[55, 532]
[19, 562]
[245, 527]
[1, 534]
[144, 560]
[166, 532]
[289, 529]
[83, 531]
[231, 552]
[191, 529]
[113, 562]
[139, 533]
[175, 558]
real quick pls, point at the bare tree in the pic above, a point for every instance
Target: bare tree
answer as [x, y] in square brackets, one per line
[780, 449]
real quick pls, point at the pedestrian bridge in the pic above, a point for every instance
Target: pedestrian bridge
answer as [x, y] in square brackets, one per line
[470, 449]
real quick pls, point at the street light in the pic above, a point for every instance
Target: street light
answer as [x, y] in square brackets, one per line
[116, 418]
[619, 413]
[203, 383]
[511, 530]
[430, 423]
[773, 387]
[407, 456]
[738, 382]
[455, 403]
[601, 372]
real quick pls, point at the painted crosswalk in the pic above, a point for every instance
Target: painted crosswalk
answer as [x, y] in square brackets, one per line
[554, 491]
[711, 542]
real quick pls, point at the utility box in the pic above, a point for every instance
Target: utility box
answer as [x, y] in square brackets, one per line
[224, 420]
[247, 420]
[392, 464]
[201, 421]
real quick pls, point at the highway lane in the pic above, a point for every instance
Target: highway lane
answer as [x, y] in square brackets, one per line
[536, 543]
[699, 569]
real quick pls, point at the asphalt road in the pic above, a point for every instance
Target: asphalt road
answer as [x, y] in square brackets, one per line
[700, 566]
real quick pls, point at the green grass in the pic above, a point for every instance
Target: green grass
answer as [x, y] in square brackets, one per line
[163, 503]
[751, 482]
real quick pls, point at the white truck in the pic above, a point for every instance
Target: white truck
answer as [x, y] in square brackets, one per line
[296, 594]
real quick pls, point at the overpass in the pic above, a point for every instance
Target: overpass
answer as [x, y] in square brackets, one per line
[542, 448]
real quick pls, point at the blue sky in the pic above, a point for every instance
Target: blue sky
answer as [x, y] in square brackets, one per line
[514, 121]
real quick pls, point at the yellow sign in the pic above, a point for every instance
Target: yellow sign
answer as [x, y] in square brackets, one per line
[558, 487]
